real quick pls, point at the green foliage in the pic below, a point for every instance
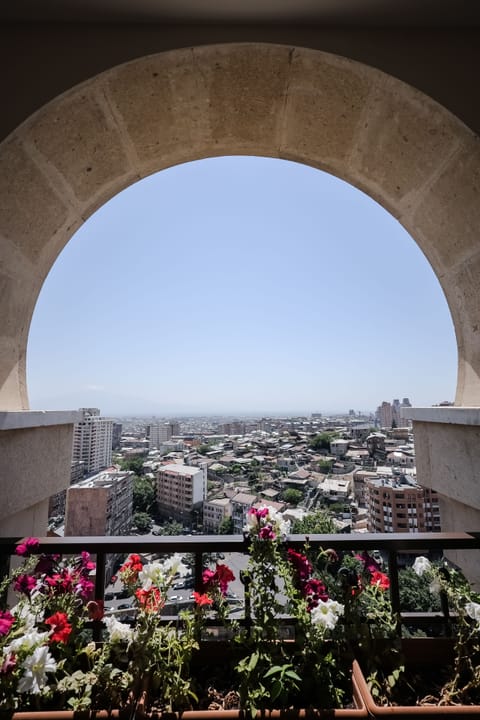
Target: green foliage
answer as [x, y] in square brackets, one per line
[226, 527]
[142, 521]
[143, 495]
[415, 595]
[134, 464]
[203, 449]
[322, 441]
[172, 528]
[325, 466]
[318, 522]
[292, 496]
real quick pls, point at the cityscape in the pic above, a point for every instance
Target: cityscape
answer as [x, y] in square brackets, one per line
[349, 473]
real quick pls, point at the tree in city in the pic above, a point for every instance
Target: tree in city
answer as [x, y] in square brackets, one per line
[322, 441]
[292, 496]
[325, 466]
[143, 495]
[203, 449]
[226, 527]
[172, 528]
[142, 522]
[135, 464]
[317, 522]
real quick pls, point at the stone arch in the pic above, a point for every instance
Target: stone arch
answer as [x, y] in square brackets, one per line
[374, 131]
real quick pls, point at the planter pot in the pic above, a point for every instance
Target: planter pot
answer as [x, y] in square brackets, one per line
[358, 711]
[419, 653]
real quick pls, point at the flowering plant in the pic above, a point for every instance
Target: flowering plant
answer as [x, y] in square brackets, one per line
[462, 685]
[43, 638]
[328, 598]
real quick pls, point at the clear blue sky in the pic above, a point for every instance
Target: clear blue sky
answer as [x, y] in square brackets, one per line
[240, 285]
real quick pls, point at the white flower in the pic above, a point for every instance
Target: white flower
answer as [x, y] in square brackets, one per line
[175, 565]
[26, 642]
[23, 613]
[36, 667]
[435, 586]
[119, 632]
[251, 523]
[421, 565]
[152, 574]
[473, 610]
[326, 613]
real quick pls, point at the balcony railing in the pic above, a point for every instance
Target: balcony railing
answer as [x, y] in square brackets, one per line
[390, 545]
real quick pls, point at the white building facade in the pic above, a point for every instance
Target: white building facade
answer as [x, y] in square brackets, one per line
[181, 491]
[92, 440]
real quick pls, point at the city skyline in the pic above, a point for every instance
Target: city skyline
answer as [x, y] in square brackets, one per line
[240, 286]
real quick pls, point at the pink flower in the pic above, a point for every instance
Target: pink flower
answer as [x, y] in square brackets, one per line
[369, 564]
[9, 664]
[86, 563]
[85, 588]
[24, 584]
[26, 547]
[314, 590]
[6, 622]
[224, 575]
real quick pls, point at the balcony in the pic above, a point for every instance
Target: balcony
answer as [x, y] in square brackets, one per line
[391, 546]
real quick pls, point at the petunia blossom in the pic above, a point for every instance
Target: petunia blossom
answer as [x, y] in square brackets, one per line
[202, 599]
[473, 611]
[421, 565]
[379, 579]
[24, 584]
[6, 622]
[326, 614]
[36, 666]
[61, 628]
[26, 547]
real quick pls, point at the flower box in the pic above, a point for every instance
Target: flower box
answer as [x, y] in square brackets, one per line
[427, 655]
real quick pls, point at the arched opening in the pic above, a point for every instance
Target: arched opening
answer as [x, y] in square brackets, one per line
[382, 136]
[240, 285]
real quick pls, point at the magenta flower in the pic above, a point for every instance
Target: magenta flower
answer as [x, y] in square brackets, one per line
[85, 588]
[6, 622]
[26, 547]
[266, 533]
[9, 664]
[86, 563]
[24, 584]
[303, 567]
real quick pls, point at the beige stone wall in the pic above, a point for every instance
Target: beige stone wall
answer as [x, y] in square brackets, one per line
[34, 464]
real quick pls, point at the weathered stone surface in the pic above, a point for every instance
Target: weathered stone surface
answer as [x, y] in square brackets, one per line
[448, 219]
[327, 96]
[78, 139]
[30, 211]
[401, 126]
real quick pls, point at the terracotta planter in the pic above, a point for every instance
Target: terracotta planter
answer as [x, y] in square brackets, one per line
[358, 711]
[421, 652]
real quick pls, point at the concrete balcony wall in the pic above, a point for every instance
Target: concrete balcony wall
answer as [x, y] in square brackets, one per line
[35, 460]
[447, 449]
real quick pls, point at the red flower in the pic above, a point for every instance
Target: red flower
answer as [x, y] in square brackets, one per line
[224, 575]
[150, 600]
[130, 569]
[303, 567]
[202, 599]
[380, 580]
[313, 591]
[220, 578]
[95, 609]
[61, 627]
[26, 547]
[6, 622]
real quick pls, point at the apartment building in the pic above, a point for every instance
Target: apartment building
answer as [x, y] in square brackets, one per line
[92, 441]
[398, 505]
[101, 505]
[241, 504]
[181, 490]
[214, 513]
[159, 434]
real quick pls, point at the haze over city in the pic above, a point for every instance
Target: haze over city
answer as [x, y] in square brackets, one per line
[240, 286]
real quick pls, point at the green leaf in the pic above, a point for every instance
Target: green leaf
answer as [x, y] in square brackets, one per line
[276, 690]
[273, 671]
[293, 674]
[253, 661]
